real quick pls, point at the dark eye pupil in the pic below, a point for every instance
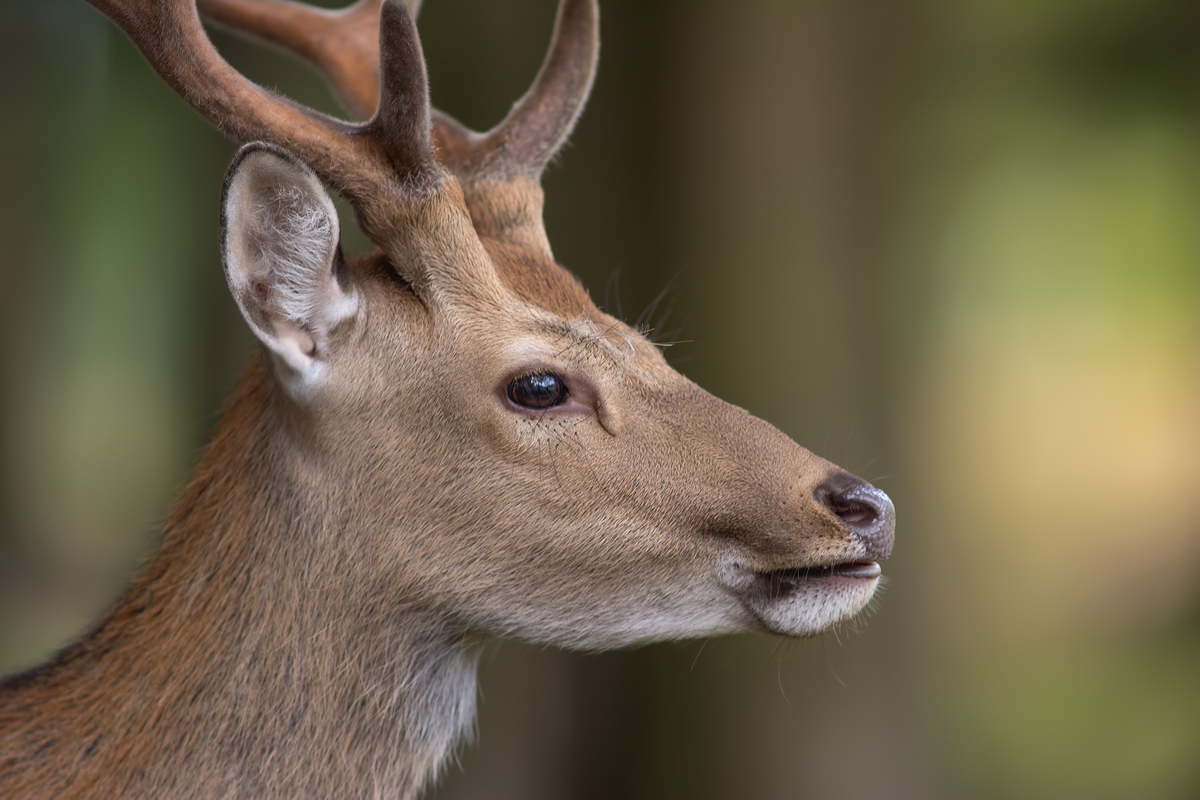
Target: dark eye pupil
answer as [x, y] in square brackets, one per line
[540, 390]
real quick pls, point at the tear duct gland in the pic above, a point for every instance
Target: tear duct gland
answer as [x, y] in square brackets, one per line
[441, 441]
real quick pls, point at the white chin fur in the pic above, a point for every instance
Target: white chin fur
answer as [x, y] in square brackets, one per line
[814, 606]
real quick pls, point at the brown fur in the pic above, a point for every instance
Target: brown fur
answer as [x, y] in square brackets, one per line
[508, 218]
[310, 624]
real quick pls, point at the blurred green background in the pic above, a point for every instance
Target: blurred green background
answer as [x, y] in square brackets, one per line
[951, 246]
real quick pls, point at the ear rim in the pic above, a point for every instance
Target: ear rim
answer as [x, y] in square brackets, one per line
[299, 350]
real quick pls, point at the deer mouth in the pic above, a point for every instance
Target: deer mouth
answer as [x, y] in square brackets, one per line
[782, 582]
[803, 601]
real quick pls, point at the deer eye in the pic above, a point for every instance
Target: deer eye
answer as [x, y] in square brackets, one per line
[538, 390]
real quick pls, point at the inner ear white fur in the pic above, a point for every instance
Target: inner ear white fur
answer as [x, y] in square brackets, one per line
[280, 246]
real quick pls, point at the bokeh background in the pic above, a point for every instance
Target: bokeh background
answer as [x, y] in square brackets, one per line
[952, 245]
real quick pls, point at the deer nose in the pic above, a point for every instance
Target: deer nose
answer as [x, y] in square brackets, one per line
[868, 512]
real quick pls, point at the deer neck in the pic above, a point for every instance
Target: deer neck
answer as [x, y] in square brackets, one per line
[234, 662]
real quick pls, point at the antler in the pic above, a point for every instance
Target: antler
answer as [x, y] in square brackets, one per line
[359, 160]
[341, 44]
[540, 122]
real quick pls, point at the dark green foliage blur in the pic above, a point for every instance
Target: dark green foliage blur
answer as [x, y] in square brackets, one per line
[951, 246]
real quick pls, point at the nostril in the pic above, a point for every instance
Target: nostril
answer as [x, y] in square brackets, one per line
[865, 510]
[853, 512]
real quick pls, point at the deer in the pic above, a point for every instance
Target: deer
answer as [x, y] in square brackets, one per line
[439, 443]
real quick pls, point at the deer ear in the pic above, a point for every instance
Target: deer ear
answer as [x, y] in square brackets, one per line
[280, 246]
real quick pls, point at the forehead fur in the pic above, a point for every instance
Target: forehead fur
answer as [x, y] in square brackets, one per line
[538, 280]
[507, 215]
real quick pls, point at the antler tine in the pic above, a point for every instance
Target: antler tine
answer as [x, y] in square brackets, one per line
[343, 44]
[538, 124]
[541, 121]
[358, 160]
[402, 120]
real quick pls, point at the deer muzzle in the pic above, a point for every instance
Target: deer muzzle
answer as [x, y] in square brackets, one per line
[836, 578]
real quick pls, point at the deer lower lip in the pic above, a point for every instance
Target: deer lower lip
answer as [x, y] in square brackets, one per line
[786, 579]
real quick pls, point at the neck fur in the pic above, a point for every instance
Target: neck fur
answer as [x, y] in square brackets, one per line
[246, 659]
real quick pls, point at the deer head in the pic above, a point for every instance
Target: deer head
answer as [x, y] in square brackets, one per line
[446, 438]
[610, 499]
